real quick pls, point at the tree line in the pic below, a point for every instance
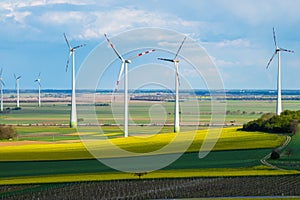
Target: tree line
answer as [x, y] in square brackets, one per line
[286, 122]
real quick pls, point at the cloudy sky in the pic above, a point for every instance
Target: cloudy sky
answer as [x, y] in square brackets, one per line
[237, 35]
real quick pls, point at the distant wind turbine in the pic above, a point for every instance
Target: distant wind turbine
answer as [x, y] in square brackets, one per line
[73, 115]
[176, 61]
[277, 51]
[1, 88]
[38, 80]
[124, 67]
[18, 89]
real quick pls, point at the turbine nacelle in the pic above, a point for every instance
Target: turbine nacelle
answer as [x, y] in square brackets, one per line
[38, 81]
[17, 78]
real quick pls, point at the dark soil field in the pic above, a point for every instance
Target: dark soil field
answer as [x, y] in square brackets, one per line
[276, 186]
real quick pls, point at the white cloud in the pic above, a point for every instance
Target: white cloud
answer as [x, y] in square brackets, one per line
[31, 3]
[18, 17]
[234, 43]
[92, 24]
[19, 10]
[61, 18]
[73, 2]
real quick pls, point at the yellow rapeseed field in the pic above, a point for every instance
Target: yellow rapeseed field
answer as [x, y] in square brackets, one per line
[230, 139]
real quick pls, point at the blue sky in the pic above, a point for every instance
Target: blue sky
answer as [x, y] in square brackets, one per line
[236, 34]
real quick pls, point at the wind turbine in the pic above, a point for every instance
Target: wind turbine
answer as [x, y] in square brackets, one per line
[73, 115]
[124, 67]
[176, 61]
[18, 89]
[38, 80]
[277, 51]
[1, 88]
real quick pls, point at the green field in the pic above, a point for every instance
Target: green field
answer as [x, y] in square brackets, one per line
[46, 148]
[58, 113]
[236, 153]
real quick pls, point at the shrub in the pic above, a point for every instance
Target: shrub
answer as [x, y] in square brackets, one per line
[275, 155]
[7, 132]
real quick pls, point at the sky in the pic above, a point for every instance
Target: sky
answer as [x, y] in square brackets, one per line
[237, 36]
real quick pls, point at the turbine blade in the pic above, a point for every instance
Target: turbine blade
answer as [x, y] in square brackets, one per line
[1, 72]
[112, 46]
[68, 61]
[39, 75]
[287, 50]
[274, 37]
[82, 45]
[67, 41]
[19, 77]
[140, 54]
[3, 84]
[15, 76]
[180, 48]
[119, 77]
[165, 59]
[271, 59]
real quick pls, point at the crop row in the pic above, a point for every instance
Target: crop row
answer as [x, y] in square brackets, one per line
[166, 188]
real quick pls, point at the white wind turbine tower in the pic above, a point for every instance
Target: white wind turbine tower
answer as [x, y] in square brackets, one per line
[176, 61]
[124, 67]
[1, 88]
[18, 90]
[73, 115]
[38, 80]
[277, 51]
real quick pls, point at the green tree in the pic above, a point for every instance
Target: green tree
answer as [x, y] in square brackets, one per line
[285, 123]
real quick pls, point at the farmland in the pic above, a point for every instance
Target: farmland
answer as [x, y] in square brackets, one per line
[48, 152]
[279, 186]
[48, 159]
[231, 139]
[57, 113]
